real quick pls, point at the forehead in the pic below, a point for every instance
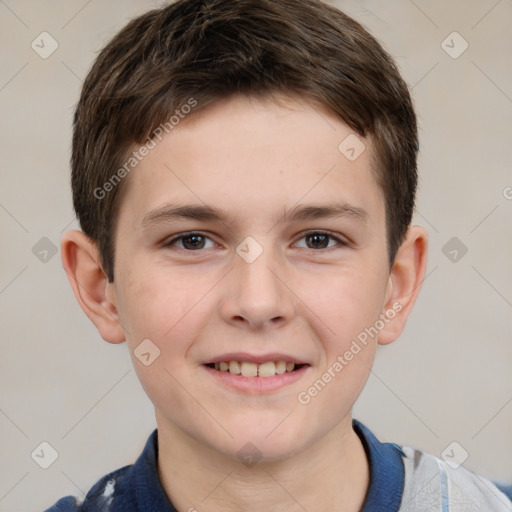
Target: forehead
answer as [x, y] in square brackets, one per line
[254, 155]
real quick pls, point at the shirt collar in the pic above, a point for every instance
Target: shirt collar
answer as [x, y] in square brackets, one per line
[384, 491]
[148, 490]
[386, 472]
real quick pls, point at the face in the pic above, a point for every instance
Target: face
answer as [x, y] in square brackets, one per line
[247, 239]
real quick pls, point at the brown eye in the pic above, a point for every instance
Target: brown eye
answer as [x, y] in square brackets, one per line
[189, 241]
[318, 241]
[321, 240]
[193, 242]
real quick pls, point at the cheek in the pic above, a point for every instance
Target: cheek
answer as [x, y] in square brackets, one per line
[166, 310]
[154, 301]
[344, 318]
[345, 302]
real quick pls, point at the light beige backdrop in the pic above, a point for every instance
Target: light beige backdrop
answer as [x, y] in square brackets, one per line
[447, 379]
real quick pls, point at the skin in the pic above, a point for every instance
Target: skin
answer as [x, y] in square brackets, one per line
[252, 158]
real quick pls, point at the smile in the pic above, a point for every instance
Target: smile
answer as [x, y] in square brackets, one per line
[250, 369]
[260, 376]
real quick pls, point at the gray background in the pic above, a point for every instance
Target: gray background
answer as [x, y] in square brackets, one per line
[447, 379]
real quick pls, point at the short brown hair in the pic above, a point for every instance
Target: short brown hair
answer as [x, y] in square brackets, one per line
[211, 49]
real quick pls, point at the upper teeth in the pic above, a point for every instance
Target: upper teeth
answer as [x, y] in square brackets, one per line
[246, 369]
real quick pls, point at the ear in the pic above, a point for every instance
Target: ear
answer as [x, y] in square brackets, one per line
[405, 280]
[96, 296]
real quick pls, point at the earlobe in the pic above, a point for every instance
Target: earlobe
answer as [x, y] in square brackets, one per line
[80, 259]
[405, 280]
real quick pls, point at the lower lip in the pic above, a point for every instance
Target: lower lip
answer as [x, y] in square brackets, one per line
[257, 385]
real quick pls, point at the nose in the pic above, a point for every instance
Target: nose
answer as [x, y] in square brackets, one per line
[256, 294]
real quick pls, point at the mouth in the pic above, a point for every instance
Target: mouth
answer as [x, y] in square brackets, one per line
[265, 369]
[256, 375]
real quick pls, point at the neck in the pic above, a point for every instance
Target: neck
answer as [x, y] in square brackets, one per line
[330, 475]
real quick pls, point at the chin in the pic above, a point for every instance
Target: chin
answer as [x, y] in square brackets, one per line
[268, 441]
[255, 452]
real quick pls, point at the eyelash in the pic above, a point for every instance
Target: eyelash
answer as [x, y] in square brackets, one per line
[172, 241]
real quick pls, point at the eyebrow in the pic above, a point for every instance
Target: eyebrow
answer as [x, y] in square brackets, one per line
[200, 212]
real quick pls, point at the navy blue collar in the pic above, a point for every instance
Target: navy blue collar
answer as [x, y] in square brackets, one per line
[386, 472]
[384, 492]
[148, 490]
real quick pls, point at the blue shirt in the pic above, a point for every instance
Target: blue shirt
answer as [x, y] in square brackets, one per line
[137, 487]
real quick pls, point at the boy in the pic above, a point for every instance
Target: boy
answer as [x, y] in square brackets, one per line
[216, 144]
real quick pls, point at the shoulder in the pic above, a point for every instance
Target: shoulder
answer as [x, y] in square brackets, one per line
[432, 483]
[128, 489]
[101, 495]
